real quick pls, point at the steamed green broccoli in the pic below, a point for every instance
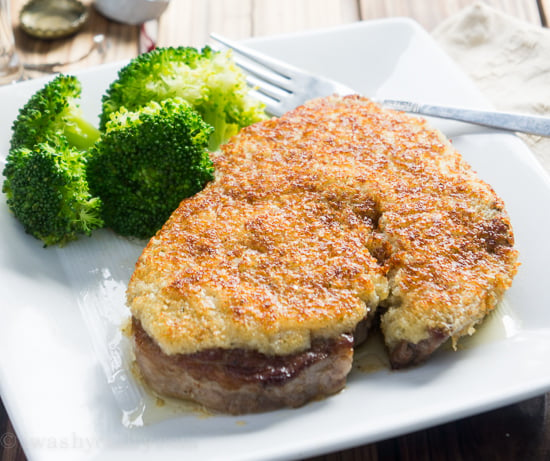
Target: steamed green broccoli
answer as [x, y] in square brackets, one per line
[45, 178]
[53, 112]
[47, 192]
[146, 162]
[209, 81]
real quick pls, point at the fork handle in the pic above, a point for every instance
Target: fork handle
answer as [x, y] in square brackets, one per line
[533, 124]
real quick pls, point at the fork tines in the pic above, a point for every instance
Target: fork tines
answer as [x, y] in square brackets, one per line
[270, 81]
[280, 86]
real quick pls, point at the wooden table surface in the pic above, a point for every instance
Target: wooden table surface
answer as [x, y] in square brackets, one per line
[516, 432]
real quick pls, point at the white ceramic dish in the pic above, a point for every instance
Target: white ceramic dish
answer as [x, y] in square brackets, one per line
[52, 378]
[131, 11]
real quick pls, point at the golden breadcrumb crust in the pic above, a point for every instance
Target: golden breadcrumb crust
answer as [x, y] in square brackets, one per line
[314, 220]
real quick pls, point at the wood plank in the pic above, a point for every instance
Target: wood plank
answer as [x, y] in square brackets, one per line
[188, 22]
[10, 449]
[121, 39]
[544, 7]
[287, 16]
[510, 433]
[429, 13]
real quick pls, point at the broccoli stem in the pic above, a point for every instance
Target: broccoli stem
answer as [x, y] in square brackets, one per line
[79, 132]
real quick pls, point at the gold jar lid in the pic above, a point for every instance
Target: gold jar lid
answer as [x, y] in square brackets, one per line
[49, 19]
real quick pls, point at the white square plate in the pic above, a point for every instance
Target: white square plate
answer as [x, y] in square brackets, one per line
[52, 365]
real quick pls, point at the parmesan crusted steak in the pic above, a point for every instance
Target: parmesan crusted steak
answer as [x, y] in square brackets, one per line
[249, 297]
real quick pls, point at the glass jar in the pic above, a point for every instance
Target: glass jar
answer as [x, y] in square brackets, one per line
[10, 65]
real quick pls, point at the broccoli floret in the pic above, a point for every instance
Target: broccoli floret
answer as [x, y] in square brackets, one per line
[47, 191]
[45, 178]
[146, 162]
[53, 112]
[208, 80]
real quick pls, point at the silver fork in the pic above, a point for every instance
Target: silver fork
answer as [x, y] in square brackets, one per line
[283, 87]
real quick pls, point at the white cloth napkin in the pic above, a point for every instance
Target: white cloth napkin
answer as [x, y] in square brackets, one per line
[507, 58]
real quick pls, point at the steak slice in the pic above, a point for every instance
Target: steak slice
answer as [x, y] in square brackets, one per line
[237, 381]
[314, 222]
